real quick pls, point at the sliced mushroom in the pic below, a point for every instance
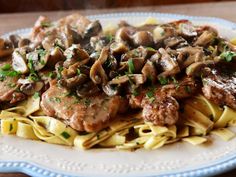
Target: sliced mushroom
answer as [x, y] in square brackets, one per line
[74, 54]
[189, 55]
[124, 35]
[28, 87]
[175, 41]
[55, 56]
[168, 64]
[23, 42]
[205, 38]
[93, 29]
[87, 89]
[118, 48]
[6, 48]
[14, 38]
[136, 63]
[143, 38]
[149, 71]
[98, 42]
[110, 90]
[186, 29]
[97, 73]
[196, 69]
[19, 62]
[134, 78]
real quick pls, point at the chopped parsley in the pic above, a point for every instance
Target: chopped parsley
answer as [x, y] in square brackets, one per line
[131, 66]
[135, 92]
[51, 75]
[33, 77]
[59, 70]
[65, 135]
[78, 71]
[163, 80]
[151, 49]
[87, 102]
[6, 67]
[36, 95]
[69, 56]
[188, 89]
[45, 24]
[55, 99]
[109, 37]
[227, 55]
[11, 85]
[150, 94]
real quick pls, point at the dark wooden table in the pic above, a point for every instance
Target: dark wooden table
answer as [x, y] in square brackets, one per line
[226, 10]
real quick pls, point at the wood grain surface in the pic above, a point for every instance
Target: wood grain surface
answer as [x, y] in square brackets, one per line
[226, 10]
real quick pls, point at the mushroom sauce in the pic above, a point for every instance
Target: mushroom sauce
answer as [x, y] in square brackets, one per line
[86, 76]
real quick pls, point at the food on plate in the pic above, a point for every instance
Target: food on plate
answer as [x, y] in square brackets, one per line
[75, 82]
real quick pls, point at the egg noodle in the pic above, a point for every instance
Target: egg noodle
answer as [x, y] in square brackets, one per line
[199, 118]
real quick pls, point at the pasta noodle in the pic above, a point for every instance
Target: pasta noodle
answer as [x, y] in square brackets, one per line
[26, 120]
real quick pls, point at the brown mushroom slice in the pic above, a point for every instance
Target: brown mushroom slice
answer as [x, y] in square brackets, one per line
[118, 48]
[19, 62]
[172, 42]
[74, 54]
[149, 71]
[87, 89]
[55, 56]
[28, 87]
[168, 64]
[97, 73]
[124, 35]
[23, 42]
[205, 38]
[93, 29]
[137, 79]
[189, 55]
[135, 65]
[67, 36]
[110, 90]
[76, 80]
[143, 38]
[14, 38]
[186, 29]
[196, 69]
[6, 48]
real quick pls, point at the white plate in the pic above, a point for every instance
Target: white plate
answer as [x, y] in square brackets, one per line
[180, 159]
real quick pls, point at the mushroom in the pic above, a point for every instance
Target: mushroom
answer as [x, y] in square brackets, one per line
[14, 38]
[186, 29]
[93, 29]
[74, 54]
[189, 55]
[197, 68]
[55, 55]
[175, 41]
[143, 38]
[133, 78]
[67, 36]
[118, 48]
[23, 42]
[135, 65]
[124, 35]
[28, 87]
[205, 38]
[168, 64]
[110, 90]
[98, 42]
[37, 59]
[6, 48]
[149, 71]
[97, 73]
[87, 89]
[19, 61]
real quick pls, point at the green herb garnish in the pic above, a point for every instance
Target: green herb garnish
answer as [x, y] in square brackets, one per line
[87, 102]
[36, 95]
[65, 135]
[11, 85]
[188, 89]
[135, 92]
[78, 71]
[151, 49]
[45, 24]
[6, 67]
[131, 66]
[163, 80]
[227, 55]
[109, 37]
